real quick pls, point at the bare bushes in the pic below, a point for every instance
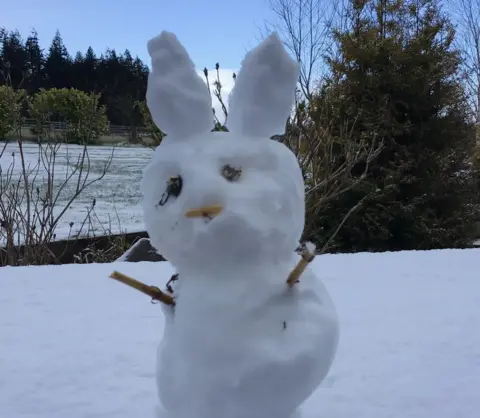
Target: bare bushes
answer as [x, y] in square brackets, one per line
[38, 185]
[333, 162]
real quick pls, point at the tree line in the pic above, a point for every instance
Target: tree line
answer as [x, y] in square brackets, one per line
[119, 79]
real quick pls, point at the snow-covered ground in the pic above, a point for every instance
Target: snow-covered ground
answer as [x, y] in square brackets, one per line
[76, 344]
[117, 194]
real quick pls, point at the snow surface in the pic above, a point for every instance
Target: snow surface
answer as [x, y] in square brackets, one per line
[77, 344]
[117, 195]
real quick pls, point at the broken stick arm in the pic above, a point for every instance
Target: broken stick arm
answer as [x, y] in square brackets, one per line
[152, 291]
[307, 258]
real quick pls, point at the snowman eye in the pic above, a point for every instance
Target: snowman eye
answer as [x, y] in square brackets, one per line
[231, 173]
[174, 188]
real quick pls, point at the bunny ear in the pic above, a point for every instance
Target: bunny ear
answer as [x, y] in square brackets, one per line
[264, 91]
[178, 99]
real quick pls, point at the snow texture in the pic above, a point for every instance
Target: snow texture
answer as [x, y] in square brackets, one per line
[76, 344]
[177, 97]
[251, 338]
[264, 90]
[238, 335]
[117, 195]
[310, 247]
[263, 212]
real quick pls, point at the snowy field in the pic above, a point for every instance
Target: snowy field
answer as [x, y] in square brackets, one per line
[117, 194]
[76, 344]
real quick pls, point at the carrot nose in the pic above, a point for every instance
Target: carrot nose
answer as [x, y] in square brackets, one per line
[204, 212]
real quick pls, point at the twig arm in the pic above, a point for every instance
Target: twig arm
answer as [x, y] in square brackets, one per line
[307, 257]
[154, 292]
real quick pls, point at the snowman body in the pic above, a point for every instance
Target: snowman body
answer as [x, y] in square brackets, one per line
[246, 352]
[239, 342]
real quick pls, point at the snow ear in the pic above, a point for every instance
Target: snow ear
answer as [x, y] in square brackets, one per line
[178, 99]
[264, 91]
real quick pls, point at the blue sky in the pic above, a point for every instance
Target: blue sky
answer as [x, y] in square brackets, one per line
[211, 30]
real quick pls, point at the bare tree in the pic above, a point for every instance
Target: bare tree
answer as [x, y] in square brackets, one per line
[35, 196]
[468, 15]
[39, 183]
[328, 155]
[305, 27]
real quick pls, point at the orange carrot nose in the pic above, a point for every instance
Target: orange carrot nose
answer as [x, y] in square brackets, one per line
[204, 212]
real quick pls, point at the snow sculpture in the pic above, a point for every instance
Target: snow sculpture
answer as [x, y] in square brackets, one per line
[227, 210]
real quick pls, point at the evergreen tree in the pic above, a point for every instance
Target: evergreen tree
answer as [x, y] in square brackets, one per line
[396, 80]
[3, 64]
[89, 71]
[112, 84]
[14, 58]
[35, 63]
[58, 64]
[77, 77]
[120, 79]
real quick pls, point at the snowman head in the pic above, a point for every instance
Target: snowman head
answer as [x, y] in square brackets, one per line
[233, 196]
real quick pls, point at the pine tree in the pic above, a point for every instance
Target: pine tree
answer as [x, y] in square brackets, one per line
[89, 70]
[58, 64]
[396, 80]
[35, 63]
[14, 58]
[3, 34]
[78, 79]
[120, 79]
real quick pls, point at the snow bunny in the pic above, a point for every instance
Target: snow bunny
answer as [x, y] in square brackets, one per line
[227, 210]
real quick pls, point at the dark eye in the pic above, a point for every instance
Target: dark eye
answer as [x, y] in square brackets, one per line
[231, 173]
[174, 188]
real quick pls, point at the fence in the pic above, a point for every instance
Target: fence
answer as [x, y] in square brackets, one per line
[115, 133]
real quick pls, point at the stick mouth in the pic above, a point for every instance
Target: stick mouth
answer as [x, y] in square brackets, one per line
[204, 212]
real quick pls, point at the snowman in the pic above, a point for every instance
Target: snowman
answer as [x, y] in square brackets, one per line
[227, 210]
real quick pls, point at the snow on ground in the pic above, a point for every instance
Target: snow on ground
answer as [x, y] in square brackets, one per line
[74, 343]
[117, 194]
